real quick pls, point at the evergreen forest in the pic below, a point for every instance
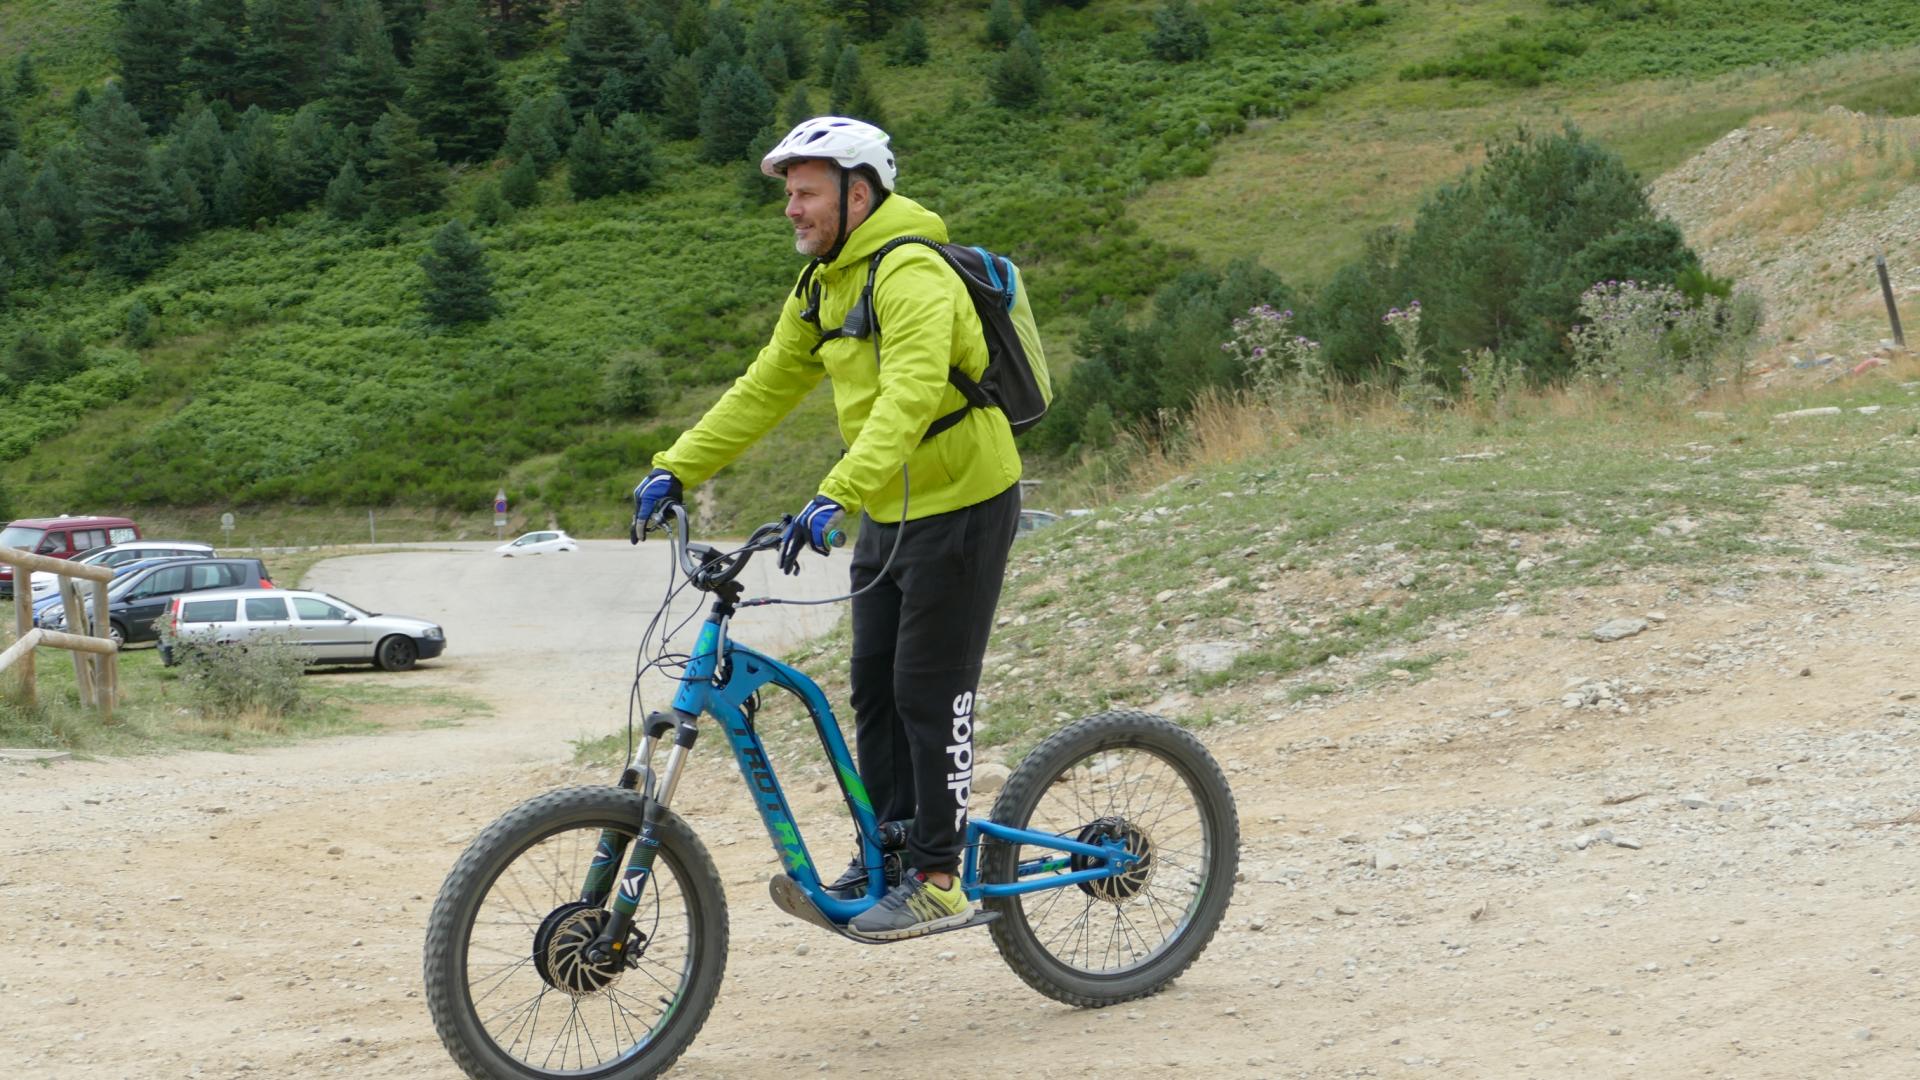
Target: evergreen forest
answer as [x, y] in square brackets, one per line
[351, 254]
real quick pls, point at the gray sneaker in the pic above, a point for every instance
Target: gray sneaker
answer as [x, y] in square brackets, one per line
[915, 906]
[852, 882]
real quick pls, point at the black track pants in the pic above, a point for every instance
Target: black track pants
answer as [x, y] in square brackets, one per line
[919, 636]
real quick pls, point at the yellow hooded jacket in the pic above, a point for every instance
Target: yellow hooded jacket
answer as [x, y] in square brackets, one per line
[927, 324]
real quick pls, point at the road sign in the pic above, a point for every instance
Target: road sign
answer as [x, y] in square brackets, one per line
[500, 502]
[226, 520]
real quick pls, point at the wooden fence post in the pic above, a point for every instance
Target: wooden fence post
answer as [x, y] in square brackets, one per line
[106, 667]
[22, 626]
[1886, 290]
[77, 624]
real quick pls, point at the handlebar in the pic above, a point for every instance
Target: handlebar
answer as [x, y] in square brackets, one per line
[706, 566]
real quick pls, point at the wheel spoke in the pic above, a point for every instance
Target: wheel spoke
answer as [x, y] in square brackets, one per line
[1138, 795]
[511, 917]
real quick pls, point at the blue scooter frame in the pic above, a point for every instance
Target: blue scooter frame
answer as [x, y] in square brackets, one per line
[722, 678]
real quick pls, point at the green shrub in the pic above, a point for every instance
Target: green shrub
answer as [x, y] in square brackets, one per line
[1500, 258]
[1179, 33]
[260, 679]
[633, 383]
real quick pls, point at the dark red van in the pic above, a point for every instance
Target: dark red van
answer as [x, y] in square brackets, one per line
[61, 538]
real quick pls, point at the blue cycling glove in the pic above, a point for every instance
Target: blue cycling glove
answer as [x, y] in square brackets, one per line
[819, 527]
[659, 487]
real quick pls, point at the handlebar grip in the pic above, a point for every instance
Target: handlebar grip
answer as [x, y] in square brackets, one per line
[836, 537]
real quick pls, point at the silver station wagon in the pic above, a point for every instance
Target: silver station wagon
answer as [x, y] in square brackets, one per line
[327, 629]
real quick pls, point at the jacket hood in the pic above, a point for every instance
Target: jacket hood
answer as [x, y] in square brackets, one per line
[898, 216]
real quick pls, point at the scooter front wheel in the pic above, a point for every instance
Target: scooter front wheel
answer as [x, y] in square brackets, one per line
[509, 982]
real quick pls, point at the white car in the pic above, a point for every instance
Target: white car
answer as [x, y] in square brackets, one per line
[324, 628]
[539, 543]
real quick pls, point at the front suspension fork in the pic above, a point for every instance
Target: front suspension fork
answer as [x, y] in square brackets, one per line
[611, 943]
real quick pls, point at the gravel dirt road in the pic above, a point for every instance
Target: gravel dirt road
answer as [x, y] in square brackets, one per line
[1683, 854]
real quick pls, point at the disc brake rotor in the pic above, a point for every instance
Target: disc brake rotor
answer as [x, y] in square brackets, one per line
[560, 945]
[1121, 887]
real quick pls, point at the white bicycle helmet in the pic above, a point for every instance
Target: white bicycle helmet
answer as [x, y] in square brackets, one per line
[849, 143]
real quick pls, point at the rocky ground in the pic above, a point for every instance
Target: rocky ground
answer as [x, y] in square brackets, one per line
[1795, 207]
[1684, 852]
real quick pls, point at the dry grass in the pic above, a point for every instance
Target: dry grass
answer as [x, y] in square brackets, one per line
[1366, 156]
[249, 722]
[1851, 162]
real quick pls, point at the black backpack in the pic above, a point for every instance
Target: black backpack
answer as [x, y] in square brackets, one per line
[1015, 381]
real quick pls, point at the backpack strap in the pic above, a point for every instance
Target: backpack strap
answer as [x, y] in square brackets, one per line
[960, 380]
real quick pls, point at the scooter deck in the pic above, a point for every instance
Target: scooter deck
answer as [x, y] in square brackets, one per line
[789, 897]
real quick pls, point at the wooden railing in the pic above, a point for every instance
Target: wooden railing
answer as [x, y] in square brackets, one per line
[96, 659]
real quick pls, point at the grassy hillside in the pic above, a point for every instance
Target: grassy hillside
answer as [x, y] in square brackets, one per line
[292, 368]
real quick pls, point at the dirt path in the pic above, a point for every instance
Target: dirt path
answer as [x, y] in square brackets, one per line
[1660, 857]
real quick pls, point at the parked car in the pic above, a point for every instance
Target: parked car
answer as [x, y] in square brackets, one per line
[48, 601]
[1034, 520]
[61, 538]
[119, 555]
[136, 601]
[539, 543]
[327, 629]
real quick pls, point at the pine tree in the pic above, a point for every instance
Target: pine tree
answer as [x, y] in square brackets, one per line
[216, 31]
[689, 28]
[366, 75]
[913, 50]
[559, 118]
[1179, 33]
[51, 200]
[520, 184]
[10, 239]
[403, 23]
[459, 282]
[630, 153]
[589, 170]
[310, 156]
[772, 66]
[347, 194]
[658, 60]
[799, 106]
[286, 53]
[121, 190]
[1020, 78]
[198, 148]
[778, 24]
[515, 25]
[14, 178]
[725, 31]
[617, 95]
[148, 43]
[852, 95]
[832, 44]
[454, 88]
[9, 128]
[1001, 25]
[27, 84]
[404, 176]
[737, 106]
[530, 136]
[681, 95]
[870, 18]
[229, 192]
[193, 205]
[489, 206]
[603, 37]
[256, 147]
[139, 325]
